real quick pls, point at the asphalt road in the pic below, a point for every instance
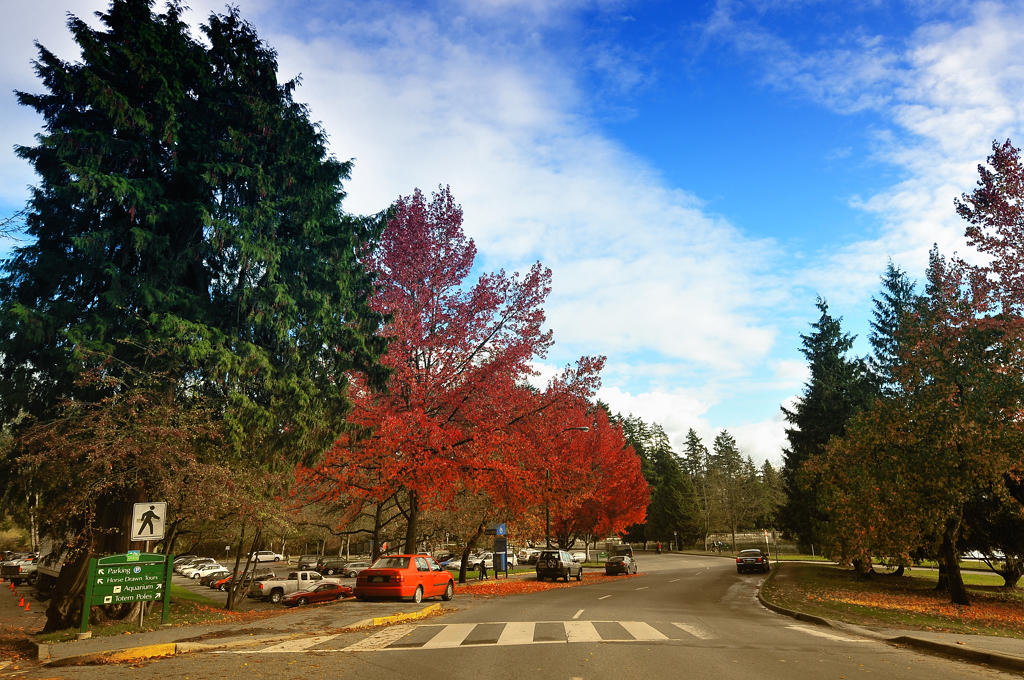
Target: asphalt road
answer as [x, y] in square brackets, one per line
[682, 616]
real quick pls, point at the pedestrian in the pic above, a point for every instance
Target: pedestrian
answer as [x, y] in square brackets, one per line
[483, 571]
[659, 548]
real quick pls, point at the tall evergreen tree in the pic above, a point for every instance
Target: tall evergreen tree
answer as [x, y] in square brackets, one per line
[673, 510]
[896, 299]
[695, 463]
[837, 389]
[187, 224]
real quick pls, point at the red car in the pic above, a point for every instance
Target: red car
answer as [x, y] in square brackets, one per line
[409, 577]
[325, 592]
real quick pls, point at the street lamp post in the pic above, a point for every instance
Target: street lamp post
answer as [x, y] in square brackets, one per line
[547, 491]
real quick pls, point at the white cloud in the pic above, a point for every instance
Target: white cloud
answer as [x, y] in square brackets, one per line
[947, 91]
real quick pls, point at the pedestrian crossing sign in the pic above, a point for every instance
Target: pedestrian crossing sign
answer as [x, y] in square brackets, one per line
[148, 521]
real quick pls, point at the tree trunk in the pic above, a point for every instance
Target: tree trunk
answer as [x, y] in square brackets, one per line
[955, 584]
[375, 544]
[237, 589]
[412, 526]
[469, 546]
[65, 609]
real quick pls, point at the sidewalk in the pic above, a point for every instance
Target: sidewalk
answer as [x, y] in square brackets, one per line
[16, 624]
[997, 652]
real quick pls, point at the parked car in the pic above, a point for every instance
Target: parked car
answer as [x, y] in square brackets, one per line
[528, 556]
[325, 592]
[191, 562]
[579, 555]
[620, 564]
[276, 589]
[202, 570]
[308, 561]
[19, 570]
[623, 549]
[353, 569]
[266, 556]
[557, 564]
[207, 579]
[411, 577]
[752, 560]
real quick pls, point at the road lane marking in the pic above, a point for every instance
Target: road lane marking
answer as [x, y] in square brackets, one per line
[695, 631]
[581, 631]
[451, 635]
[604, 597]
[821, 633]
[516, 633]
[642, 588]
[673, 580]
[642, 631]
[577, 614]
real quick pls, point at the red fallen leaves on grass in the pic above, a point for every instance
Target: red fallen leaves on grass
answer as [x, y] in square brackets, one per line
[982, 612]
[518, 586]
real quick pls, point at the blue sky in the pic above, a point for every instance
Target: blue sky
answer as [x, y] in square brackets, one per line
[694, 173]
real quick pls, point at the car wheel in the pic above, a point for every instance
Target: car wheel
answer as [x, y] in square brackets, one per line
[195, 576]
[330, 572]
[579, 574]
[565, 576]
[449, 592]
[634, 568]
[223, 587]
[303, 601]
[418, 595]
[276, 596]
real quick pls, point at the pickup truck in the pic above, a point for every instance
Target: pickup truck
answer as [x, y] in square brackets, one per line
[275, 589]
[18, 571]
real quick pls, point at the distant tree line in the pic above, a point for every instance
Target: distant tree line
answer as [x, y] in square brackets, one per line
[701, 492]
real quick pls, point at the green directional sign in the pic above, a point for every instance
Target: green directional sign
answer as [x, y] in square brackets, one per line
[131, 577]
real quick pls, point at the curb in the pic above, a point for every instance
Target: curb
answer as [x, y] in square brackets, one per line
[395, 618]
[993, 659]
[172, 648]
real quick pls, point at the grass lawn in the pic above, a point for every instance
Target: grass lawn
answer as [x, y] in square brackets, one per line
[908, 601]
[187, 608]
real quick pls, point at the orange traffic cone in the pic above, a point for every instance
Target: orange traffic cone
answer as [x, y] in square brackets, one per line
[21, 602]
[26, 605]
[12, 585]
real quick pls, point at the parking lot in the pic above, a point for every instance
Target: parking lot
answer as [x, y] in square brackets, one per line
[248, 603]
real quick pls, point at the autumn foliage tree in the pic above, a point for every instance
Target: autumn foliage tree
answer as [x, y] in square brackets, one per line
[457, 353]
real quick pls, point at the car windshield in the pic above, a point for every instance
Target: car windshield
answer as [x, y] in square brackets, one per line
[751, 553]
[391, 563]
[618, 558]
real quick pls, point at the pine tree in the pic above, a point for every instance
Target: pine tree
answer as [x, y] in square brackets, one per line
[896, 300]
[837, 389]
[695, 463]
[186, 232]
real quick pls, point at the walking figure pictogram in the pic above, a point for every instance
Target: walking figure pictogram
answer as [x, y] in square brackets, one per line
[147, 520]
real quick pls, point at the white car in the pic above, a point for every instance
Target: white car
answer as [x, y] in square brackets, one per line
[526, 553]
[266, 556]
[198, 570]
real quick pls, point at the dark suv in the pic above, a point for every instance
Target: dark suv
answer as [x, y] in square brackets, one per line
[557, 564]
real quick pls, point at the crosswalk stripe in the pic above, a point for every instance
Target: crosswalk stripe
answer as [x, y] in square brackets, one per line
[451, 635]
[821, 633]
[695, 631]
[517, 633]
[642, 631]
[380, 640]
[299, 644]
[581, 631]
